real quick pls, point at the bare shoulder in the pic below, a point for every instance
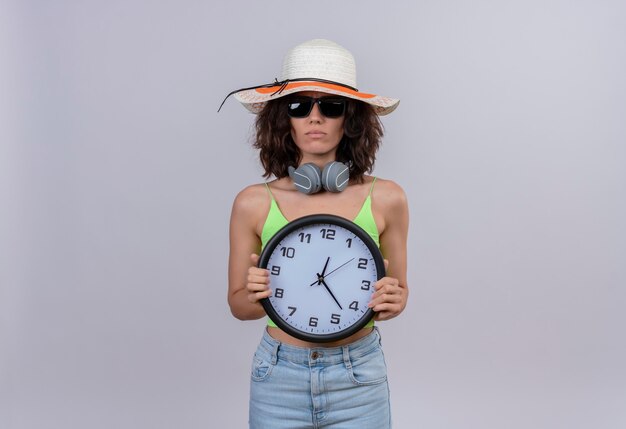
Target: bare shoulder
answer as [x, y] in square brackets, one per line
[251, 194]
[388, 193]
[251, 202]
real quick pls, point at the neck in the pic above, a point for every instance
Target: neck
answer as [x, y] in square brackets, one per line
[319, 160]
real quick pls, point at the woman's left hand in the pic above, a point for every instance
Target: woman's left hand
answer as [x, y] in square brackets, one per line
[389, 299]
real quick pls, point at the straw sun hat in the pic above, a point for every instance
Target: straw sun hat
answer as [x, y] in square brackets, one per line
[316, 65]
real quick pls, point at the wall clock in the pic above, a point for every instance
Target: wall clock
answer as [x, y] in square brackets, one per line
[322, 274]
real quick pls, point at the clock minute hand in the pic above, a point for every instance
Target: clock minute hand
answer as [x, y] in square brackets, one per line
[330, 292]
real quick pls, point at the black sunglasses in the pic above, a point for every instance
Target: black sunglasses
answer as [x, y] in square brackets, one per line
[301, 106]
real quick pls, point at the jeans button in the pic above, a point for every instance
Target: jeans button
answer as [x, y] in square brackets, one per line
[314, 355]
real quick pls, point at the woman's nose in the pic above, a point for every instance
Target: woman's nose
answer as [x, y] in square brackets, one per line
[315, 115]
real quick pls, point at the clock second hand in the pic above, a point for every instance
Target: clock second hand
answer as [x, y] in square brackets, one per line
[345, 263]
[322, 276]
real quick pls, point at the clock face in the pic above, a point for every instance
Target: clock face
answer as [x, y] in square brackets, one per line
[322, 274]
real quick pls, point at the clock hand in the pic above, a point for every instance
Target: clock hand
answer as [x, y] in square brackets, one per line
[330, 292]
[320, 277]
[325, 266]
[345, 263]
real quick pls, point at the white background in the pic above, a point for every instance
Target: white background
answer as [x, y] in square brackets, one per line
[117, 176]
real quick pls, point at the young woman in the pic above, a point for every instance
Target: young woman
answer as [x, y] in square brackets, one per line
[316, 115]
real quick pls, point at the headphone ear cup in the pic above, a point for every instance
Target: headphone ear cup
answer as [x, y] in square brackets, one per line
[335, 176]
[307, 178]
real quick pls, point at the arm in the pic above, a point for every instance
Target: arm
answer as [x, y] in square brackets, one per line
[247, 284]
[392, 291]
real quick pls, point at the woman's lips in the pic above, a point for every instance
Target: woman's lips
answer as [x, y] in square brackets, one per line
[316, 134]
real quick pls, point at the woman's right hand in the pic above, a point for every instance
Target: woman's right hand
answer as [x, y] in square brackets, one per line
[258, 285]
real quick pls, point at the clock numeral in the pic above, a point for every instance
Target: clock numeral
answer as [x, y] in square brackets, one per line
[362, 263]
[313, 321]
[293, 310]
[335, 319]
[289, 252]
[279, 293]
[328, 234]
[304, 237]
[354, 305]
[349, 241]
[365, 284]
[275, 270]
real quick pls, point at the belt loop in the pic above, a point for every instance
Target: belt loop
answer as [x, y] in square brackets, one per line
[275, 352]
[346, 357]
[380, 338]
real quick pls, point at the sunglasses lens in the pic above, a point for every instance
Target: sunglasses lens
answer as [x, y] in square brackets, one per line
[299, 108]
[332, 107]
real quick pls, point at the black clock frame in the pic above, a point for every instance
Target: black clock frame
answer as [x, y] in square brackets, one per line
[307, 221]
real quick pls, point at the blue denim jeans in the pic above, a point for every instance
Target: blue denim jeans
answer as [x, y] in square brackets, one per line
[322, 387]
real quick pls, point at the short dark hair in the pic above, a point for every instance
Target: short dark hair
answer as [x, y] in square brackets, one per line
[362, 135]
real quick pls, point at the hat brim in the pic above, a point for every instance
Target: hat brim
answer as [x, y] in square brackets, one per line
[255, 99]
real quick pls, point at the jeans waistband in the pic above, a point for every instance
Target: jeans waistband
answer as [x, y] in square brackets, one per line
[319, 354]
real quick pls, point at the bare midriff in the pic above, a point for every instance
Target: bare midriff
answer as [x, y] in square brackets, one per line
[285, 338]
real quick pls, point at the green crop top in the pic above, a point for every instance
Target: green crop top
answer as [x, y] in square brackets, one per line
[276, 220]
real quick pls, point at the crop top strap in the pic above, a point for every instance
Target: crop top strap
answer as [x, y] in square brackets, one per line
[269, 191]
[274, 221]
[365, 217]
[372, 187]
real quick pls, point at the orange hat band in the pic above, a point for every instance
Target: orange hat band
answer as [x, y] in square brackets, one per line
[293, 85]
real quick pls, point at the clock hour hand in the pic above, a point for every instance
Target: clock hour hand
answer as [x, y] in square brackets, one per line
[325, 266]
[320, 277]
[330, 292]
